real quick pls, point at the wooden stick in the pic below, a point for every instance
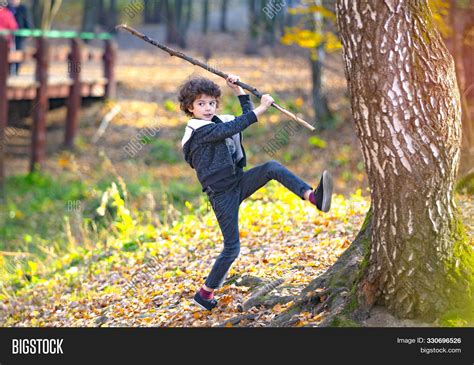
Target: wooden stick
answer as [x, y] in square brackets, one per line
[217, 72]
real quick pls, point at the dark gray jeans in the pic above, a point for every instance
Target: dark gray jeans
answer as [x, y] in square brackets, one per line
[226, 208]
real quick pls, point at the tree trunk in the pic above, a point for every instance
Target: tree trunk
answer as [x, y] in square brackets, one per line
[159, 9]
[205, 17]
[459, 18]
[102, 16]
[321, 109]
[184, 22]
[252, 38]
[178, 17]
[468, 92]
[172, 35]
[89, 15]
[36, 13]
[112, 18]
[289, 19]
[269, 12]
[468, 52]
[223, 23]
[152, 11]
[148, 10]
[407, 112]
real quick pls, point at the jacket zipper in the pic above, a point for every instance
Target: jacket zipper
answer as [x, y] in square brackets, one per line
[242, 146]
[231, 159]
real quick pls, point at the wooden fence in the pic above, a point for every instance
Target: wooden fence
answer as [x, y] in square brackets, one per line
[40, 89]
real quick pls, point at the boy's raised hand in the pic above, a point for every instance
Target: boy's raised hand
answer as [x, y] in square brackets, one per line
[231, 79]
[267, 101]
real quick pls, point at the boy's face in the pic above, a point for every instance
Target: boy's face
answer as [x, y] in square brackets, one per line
[204, 107]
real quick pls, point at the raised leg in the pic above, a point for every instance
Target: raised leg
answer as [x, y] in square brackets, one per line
[257, 177]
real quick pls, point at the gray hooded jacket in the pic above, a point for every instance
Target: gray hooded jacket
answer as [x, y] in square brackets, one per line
[208, 146]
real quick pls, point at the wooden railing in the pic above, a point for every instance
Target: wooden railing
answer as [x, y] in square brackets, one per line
[40, 91]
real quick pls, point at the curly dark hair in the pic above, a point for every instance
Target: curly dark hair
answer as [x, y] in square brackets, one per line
[194, 87]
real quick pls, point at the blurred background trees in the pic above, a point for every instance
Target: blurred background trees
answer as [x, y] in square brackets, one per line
[264, 25]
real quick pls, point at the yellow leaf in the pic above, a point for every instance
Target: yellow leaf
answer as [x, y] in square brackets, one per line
[317, 317]
[274, 118]
[299, 102]
[300, 323]
[226, 299]
[63, 162]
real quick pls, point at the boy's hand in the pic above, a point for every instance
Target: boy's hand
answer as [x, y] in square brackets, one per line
[266, 101]
[231, 79]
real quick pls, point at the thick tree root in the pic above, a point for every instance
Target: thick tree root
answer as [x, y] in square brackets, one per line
[246, 280]
[332, 291]
[258, 296]
[236, 320]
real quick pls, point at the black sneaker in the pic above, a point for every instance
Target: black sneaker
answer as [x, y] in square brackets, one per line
[203, 303]
[323, 193]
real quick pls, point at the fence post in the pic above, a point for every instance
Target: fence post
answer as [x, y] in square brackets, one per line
[110, 54]
[40, 107]
[75, 92]
[4, 69]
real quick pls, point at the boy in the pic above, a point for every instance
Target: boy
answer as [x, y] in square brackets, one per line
[212, 145]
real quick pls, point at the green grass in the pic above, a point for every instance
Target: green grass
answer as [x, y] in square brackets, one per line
[34, 203]
[162, 151]
[466, 184]
[40, 211]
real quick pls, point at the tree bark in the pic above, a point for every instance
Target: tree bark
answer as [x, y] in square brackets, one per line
[407, 112]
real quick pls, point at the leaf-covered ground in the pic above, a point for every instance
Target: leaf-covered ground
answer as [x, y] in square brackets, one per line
[145, 274]
[149, 278]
